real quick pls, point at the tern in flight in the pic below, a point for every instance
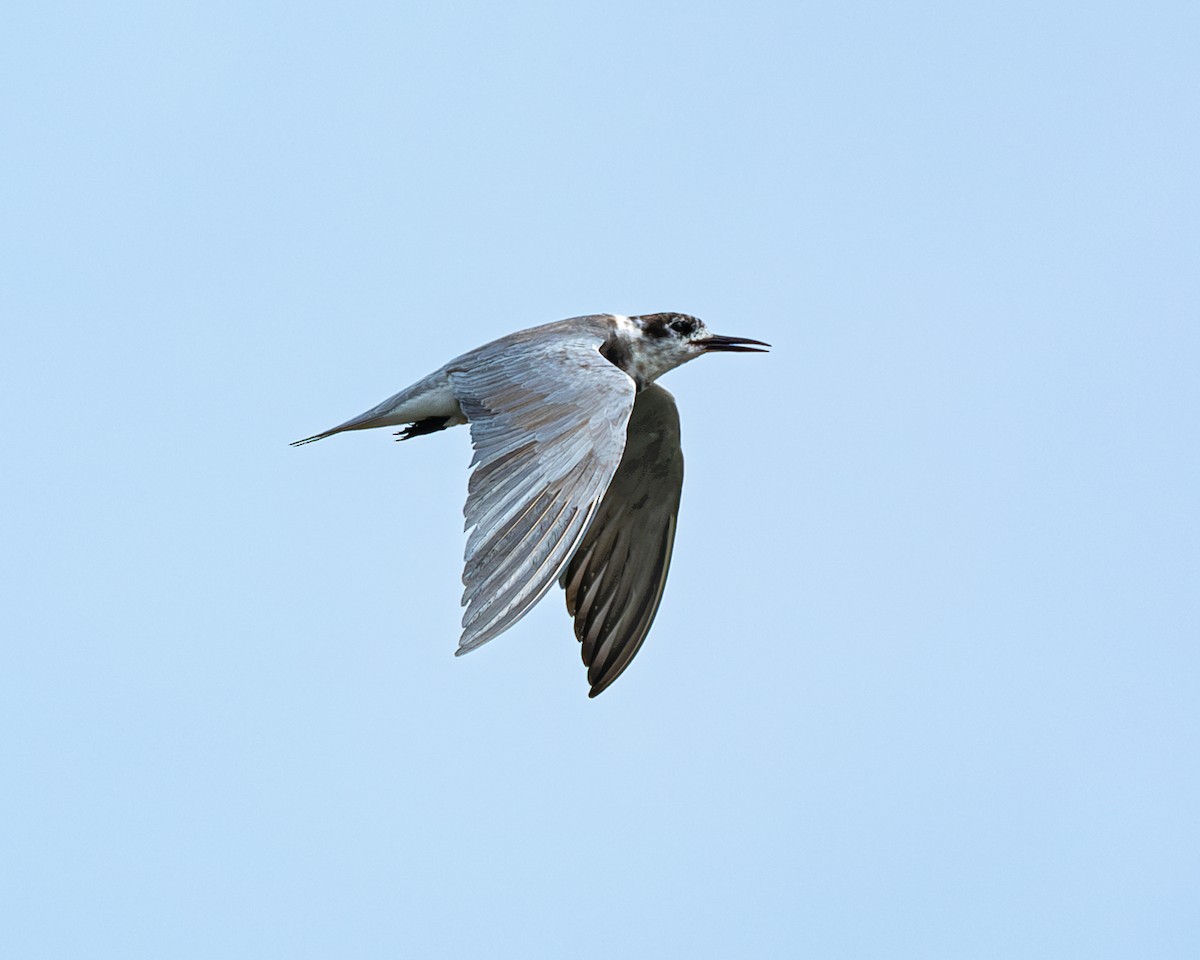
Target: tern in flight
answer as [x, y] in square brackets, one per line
[576, 474]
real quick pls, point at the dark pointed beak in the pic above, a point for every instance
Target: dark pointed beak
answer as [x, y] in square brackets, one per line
[715, 344]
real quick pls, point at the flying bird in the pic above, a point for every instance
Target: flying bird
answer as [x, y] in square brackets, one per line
[576, 474]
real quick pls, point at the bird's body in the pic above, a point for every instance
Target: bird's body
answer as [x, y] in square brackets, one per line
[577, 471]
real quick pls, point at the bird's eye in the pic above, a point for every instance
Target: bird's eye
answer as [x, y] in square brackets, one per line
[683, 326]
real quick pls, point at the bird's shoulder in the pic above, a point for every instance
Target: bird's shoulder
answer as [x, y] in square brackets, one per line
[565, 357]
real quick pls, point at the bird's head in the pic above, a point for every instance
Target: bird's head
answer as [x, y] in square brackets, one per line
[657, 342]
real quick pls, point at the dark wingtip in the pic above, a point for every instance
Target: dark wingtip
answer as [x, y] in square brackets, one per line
[603, 683]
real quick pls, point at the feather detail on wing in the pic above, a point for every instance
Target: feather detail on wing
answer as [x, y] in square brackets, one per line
[615, 580]
[548, 418]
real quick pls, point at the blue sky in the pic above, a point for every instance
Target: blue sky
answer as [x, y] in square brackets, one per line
[924, 679]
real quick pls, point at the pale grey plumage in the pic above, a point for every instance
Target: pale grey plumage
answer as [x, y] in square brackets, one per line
[577, 472]
[548, 420]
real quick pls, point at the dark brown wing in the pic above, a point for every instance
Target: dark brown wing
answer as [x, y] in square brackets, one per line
[615, 580]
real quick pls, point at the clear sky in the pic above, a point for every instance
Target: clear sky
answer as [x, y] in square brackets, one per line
[924, 682]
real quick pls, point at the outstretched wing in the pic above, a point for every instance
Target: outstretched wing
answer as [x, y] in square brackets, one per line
[616, 578]
[548, 417]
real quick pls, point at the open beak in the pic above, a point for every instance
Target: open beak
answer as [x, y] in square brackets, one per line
[715, 344]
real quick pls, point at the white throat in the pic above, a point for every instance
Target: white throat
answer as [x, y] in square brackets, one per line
[645, 359]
